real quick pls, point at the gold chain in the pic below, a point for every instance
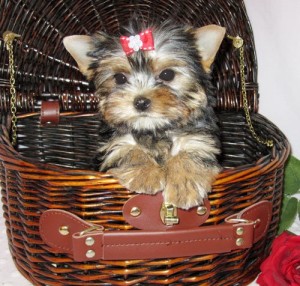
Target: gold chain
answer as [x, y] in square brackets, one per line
[239, 44]
[8, 39]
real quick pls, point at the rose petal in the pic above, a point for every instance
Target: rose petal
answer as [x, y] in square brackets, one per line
[280, 240]
[274, 261]
[261, 280]
[293, 242]
[282, 267]
[286, 239]
[291, 268]
[270, 277]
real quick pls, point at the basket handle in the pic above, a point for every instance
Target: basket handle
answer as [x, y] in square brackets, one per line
[66, 233]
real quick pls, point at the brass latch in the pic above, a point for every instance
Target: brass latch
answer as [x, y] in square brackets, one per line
[168, 214]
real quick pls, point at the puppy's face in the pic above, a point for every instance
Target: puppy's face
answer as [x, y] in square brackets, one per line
[149, 90]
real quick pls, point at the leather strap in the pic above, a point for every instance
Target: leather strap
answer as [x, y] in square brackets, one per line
[67, 233]
[150, 213]
[50, 112]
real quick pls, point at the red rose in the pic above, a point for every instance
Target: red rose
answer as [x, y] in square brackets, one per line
[282, 267]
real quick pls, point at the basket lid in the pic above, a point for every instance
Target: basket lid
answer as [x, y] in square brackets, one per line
[45, 70]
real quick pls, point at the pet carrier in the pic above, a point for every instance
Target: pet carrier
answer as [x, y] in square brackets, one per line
[69, 225]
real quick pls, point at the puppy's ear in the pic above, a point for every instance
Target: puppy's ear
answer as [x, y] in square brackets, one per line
[208, 41]
[79, 46]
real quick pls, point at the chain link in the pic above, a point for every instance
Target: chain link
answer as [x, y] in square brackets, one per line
[8, 39]
[239, 44]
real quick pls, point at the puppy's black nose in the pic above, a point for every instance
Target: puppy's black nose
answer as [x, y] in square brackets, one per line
[142, 103]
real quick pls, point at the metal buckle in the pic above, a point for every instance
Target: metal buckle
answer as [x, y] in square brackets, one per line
[91, 229]
[238, 220]
[241, 220]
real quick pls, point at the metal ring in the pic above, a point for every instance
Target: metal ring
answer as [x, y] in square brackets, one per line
[90, 229]
[238, 220]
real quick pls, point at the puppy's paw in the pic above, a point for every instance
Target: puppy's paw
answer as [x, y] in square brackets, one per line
[145, 179]
[184, 192]
[188, 183]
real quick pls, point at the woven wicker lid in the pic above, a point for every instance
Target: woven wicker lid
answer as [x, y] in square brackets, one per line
[45, 69]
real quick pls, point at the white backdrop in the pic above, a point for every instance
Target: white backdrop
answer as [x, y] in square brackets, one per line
[276, 27]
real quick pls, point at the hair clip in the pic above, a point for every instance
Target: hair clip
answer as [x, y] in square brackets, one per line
[143, 41]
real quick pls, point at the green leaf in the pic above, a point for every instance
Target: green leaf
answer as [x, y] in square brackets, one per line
[292, 176]
[288, 214]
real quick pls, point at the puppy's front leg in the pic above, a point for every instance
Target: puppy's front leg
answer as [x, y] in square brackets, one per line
[133, 166]
[190, 171]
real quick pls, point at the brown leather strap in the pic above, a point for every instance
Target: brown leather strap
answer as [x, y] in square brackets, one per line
[149, 217]
[67, 233]
[50, 112]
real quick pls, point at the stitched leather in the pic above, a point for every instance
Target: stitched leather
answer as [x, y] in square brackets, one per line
[145, 244]
[262, 216]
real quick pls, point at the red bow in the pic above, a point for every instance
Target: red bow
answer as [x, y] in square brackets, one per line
[143, 41]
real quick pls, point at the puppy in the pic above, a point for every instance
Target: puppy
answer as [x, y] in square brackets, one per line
[155, 91]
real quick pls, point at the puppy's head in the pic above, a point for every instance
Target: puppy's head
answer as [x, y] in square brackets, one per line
[152, 89]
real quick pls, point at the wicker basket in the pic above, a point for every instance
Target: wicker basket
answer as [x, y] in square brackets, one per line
[50, 165]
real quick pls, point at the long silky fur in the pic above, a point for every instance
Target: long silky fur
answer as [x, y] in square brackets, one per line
[188, 124]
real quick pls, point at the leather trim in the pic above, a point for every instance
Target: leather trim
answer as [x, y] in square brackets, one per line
[50, 112]
[260, 213]
[150, 219]
[50, 223]
[239, 231]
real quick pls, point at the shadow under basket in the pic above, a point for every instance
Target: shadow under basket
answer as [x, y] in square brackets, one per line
[50, 166]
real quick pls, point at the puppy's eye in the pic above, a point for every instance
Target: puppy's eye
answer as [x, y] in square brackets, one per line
[167, 75]
[120, 78]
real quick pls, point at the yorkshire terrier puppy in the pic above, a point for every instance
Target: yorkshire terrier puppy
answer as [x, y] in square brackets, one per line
[155, 91]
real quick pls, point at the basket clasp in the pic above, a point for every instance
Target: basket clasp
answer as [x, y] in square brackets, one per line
[168, 214]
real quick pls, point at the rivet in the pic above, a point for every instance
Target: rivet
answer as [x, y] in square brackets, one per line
[239, 242]
[64, 230]
[89, 241]
[90, 253]
[240, 231]
[201, 210]
[135, 211]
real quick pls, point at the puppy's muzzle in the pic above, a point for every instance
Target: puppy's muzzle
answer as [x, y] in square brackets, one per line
[142, 103]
